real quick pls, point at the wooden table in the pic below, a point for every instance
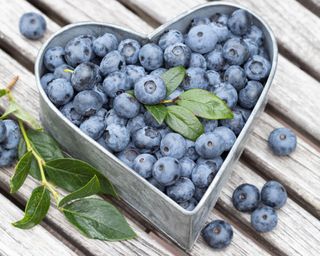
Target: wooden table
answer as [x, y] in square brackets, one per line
[293, 102]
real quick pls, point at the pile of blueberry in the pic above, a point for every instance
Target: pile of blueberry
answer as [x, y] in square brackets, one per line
[90, 77]
[9, 142]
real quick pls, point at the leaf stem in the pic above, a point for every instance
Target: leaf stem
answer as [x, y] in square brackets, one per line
[41, 162]
[10, 86]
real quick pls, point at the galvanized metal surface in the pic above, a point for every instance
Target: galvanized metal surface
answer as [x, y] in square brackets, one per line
[180, 225]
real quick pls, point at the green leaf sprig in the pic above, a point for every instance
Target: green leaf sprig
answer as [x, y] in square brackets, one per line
[182, 113]
[41, 156]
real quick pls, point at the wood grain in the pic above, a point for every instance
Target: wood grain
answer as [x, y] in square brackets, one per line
[33, 242]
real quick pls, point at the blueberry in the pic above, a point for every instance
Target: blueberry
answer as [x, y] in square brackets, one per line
[129, 49]
[32, 25]
[195, 78]
[187, 166]
[203, 174]
[169, 38]
[174, 145]
[128, 155]
[60, 91]
[115, 83]
[246, 198]
[239, 22]
[93, 127]
[196, 21]
[113, 118]
[228, 93]
[136, 123]
[13, 135]
[197, 61]
[151, 56]
[235, 51]
[255, 34]
[215, 60]
[164, 131]
[216, 162]
[60, 72]
[104, 44]
[191, 151]
[263, 53]
[199, 192]
[220, 18]
[99, 89]
[189, 205]
[213, 78]
[116, 137]
[102, 112]
[274, 194]
[282, 141]
[143, 164]
[249, 95]
[209, 145]
[54, 57]
[45, 80]
[79, 50]
[87, 102]
[235, 76]
[209, 125]
[155, 183]
[150, 90]
[201, 39]
[252, 47]
[158, 72]
[146, 137]
[112, 62]
[236, 123]
[85, 76]
[222, 31]
[7, 156]
[245, 113]
[166, 170]
[177, 55]
[125, 105]
[134, 73]
[257, 68]
[69, 112]
[264, 219]
[3, 131]
[227, 135]
[150, 121]
[217, 234]
[175, 94]
[182, 190]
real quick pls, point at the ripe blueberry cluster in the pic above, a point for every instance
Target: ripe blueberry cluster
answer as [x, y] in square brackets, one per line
[9, 142]
[262, 206]
[90, 77]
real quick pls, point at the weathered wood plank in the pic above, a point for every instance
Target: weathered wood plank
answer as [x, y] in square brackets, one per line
[33, 242]
[297, 233]
[296, 28]
[312, 5]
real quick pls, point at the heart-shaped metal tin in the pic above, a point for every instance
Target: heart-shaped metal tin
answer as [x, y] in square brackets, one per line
[180, 225]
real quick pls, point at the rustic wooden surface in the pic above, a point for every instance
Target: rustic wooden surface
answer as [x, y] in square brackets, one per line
[293, 102]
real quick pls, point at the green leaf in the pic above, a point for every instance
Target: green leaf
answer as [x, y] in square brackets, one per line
[36, 209]
[21, 173]
[183, 121]
[72, 174]
[91, 188]
[34, 168]
[159, 112]
[205, 104]
[15, 109]
[173, 78]
[98, 219]
[3, 92]
[131, 92]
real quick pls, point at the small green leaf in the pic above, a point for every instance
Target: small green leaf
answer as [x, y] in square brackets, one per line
[15, 109]
[45, 145]
[22, 148]
[3, 92]
[205, 104]
[34, 168]
[159, 112]
[91, 188]
[21, 173]
[98, 219]
[173, 78]
[36, 209]
[184, 122]
[72, 174]
[131, 92]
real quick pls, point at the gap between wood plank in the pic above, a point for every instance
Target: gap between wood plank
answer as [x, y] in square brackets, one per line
[311, 5]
